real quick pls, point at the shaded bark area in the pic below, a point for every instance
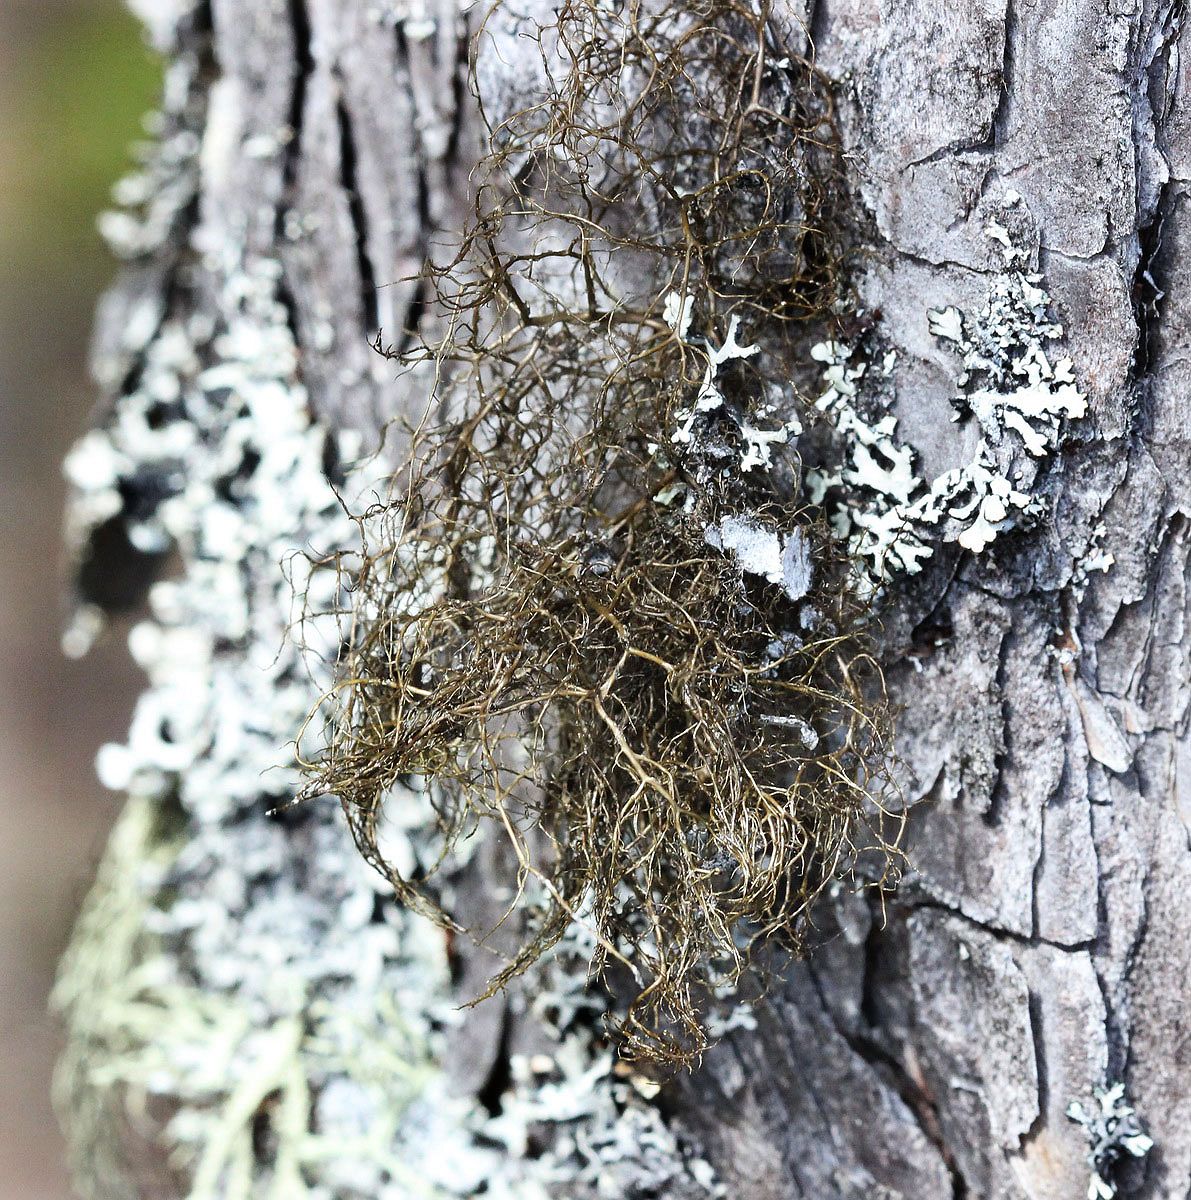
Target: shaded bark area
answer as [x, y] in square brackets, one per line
[1038, 947]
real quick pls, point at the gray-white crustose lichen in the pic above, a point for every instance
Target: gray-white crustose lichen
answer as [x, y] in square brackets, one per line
[892, 518]
[249, 970]
[1114, 1133]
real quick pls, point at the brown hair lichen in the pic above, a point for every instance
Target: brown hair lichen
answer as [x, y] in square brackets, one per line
[547, 625]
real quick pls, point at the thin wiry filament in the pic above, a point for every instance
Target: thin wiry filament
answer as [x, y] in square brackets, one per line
[678, 752]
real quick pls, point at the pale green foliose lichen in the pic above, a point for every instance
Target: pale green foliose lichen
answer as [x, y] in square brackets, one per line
[1113, 1132]
[893, 519]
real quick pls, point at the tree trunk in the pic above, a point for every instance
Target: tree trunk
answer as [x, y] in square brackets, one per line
[1037, 949]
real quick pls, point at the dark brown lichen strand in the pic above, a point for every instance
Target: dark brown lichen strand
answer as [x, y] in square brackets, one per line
[681, 751]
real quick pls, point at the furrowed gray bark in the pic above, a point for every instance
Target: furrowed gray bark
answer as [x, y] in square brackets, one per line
[1038, 947]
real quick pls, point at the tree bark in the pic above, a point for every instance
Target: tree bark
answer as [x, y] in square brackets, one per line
[1037, 948]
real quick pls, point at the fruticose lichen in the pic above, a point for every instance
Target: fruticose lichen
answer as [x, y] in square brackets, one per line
[601, 609]
[596, 615]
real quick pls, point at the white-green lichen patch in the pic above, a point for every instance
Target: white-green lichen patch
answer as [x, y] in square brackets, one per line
[780, 556]
[757, 443]
[1113, 1132]
[892, 518]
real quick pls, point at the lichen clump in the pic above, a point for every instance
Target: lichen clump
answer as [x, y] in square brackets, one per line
[893, 519]
[594, 611]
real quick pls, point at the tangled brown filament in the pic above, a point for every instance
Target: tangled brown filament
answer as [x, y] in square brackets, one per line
[681, 753]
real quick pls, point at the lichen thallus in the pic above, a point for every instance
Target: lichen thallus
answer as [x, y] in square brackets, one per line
[595, 613]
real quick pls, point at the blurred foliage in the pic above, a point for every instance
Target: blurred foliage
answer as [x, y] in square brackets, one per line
[79, 82]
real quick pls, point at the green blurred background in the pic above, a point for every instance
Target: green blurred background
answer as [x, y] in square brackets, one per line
[76, 77]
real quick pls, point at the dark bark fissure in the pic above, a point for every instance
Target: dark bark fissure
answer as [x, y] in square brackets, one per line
[459, 98]
[348, 167]
[1148, 290]
[419, 301]
[304, 67]
[1002, 748]
[998, 133]
[1157, 86]
[414, 313]
[1038, 1038]
[871, 1045]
